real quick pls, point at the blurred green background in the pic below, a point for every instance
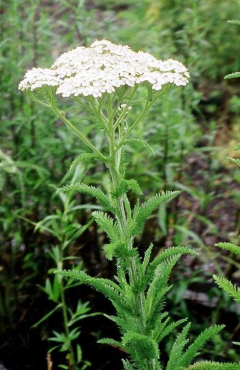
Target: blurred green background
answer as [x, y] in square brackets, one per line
[192, 132]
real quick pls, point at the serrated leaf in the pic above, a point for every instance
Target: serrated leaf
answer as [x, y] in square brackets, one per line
[144, 211]
[193, 349]
[106, 223]
[234, 21]
[89, 190]
[110, 342]
[207, 365]
[236, 148]
[140, 142]
[229, 247]
[232, 75]
[228, 287]
[235, 161]
[140, 346]
[84, 158]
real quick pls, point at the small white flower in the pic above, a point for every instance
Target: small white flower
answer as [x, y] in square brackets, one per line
[102, 68]
[38, 77]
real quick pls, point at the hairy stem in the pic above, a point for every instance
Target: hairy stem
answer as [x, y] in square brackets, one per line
[115, 156]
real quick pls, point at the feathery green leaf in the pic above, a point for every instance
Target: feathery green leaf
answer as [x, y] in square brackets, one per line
[206, 365]
[108, 225]
[228, 287]
[85, 158]
[89, 190]
[232, 75]
[193, 349]
[144, 211]
[229, 247]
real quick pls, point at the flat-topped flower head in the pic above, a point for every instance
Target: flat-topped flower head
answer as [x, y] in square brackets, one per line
[102, 68]
[39, 77]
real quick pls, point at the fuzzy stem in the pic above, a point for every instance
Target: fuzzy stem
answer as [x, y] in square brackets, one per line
[115, 156]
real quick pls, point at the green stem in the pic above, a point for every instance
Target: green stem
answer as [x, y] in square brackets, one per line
[79, 134]
[115, 156]
[65, 321]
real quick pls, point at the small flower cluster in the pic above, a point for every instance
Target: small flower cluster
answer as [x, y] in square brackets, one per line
[102, 68]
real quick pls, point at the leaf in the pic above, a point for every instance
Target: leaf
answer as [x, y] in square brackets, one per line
[128, 366]
[107, 287]
[46, 316]
[165, 255]
[161, 334]
[108, 225]
[206, 365]
[236, 148]
[235, 161]
[228, 287]
[111, 342]
[126, 185]
[232, 75]
[85, 158]
[193, 349]
[144, 211]
[111, 250]
[234, 21]
[146, 259]
[229, 247]
[141, 142]
[134, 186]
[177, 349]
[140, 346]
[89, 190]
[158, 287]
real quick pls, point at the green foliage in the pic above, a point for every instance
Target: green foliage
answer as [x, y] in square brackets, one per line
[140, 347]
[141, 213]
[180, 358]
[90, 190]
[106, 223]
[228, 287]
[206, 365]
[176, 130]
[84, 158]
[229, 247]
[232, 75]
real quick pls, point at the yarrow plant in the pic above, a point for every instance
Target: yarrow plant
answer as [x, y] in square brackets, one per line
[106, 79]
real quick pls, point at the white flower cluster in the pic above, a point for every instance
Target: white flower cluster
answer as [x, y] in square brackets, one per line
[102, 68]
[38, 77]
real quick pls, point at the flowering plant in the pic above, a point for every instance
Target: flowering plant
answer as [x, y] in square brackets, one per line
[105, 79]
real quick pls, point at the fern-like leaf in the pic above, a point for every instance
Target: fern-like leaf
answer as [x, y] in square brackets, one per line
[228, 287]
[232, 75]
[161, 333]
[146, 259]
[140, 346]
[110, 341]
[235, 161]
[108, 225]
[128, 366]
[229, 247]
[107, 287]
[158, 287]
[193, 349]
[236, 148]
[89, 190]
[205, 365]
[177, 349]
[165, 255]
[85, 158]
[126, 185]
[144, 211]
[141, 142]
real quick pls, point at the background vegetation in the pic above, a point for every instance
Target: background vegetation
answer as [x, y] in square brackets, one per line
[192, 132]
